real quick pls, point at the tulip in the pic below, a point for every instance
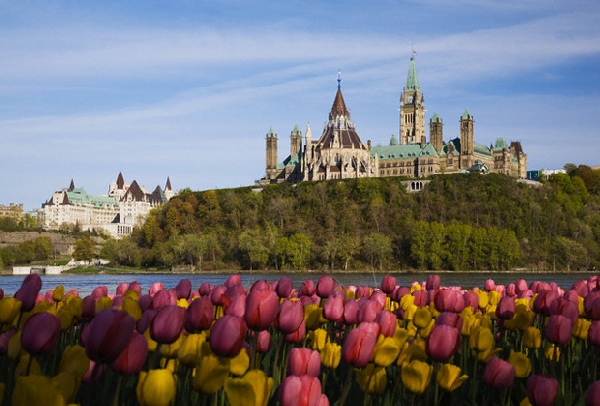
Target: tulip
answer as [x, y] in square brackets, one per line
[387, 323]
[300, 391]
[372, 379]
[199, 315]
[4, 340]
[308, 288]
[449, 377]
[350, 311]
[593, 394]
[233, 279]
[235, 305]
[40, 333]
[541, 390]
[558, 330]
[211, 371]
[388, 284]
[498, 374]
[254, 388]
[331, 355]
[521, 362]
[261, 308]
[183, 289]
[433, 282]
[304, 361]
[9, 309]
[543, 301]
[290, 316]
[263, 341]
[368, 310]
[74, 361]
[333, 309]
[204, 289]
[36, 390]
[189, 350]
[442, 342]
[422, 317]
[449, 300]
[386, 351]
[165, 327]
[284, 288]
[324, 286]
[132, 358]
[227, 336]
[532, 337]
[359, 346]
[594, 333]
[107, 335]
[416, 376]
[506, 308]
[156, 387]
[28, 292]
[296, 336]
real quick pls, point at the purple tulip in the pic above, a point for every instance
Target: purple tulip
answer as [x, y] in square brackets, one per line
[132, 358]
[40, 333]
[199, 315]
[541, 390]
[108, 334]
[167, 324]
[227, 336]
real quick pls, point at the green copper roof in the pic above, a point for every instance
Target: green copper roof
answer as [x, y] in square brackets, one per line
[271, 133]
[79, 197]
[500, 144]
[436, 118]
[396, 151]
[466, 115]
[412, 80]
[393, 140]
[296, 129]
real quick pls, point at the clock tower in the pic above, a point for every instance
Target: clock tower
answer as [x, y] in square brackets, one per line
[412, 109]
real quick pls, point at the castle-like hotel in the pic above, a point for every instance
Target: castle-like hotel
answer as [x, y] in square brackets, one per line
[117, 213]
[339, 153]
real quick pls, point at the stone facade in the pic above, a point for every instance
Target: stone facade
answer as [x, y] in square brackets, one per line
[117, 213]
[339, 153]
[14, 211]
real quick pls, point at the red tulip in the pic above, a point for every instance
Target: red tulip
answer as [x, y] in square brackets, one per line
[108, 334]
[543, 301]
[433, 282]
[165, 327]
[290, 316]
[592, 396]
[325, 285]
[558, 329]
[236, 305]
[304, 361]
[506, 308]
[28, 292]
[227, 336]
[308, 288]
[284, 288]
[333, 309]
[541, 391]
[442, 342]
[388, 284]
[183, 289]
[359, 345]
[133, 357]
[301, 391]
[296, 336]
[40, 333]
[261, 308]
[199, 315]
[498, 374]
[216, 295]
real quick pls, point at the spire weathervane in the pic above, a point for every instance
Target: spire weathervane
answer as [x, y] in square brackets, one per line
[339, 79]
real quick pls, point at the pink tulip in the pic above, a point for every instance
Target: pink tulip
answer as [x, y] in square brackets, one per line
[167, 324]
[132, 358]
[284, 287]
[98, 374]
[108, 334]
[199, 315]
[558, 330]
[28, 292]
[449, 300]
[506, 308]
[594, 333]
[333, 309]
[164, 297]
[183, 289]
[450, 319]
[498, 374]
[290, 315]
[351, 311]
[136, 287]
[362, 292]
[205, 289]
[388, 284]
[433, 282]
[567, 308]
[399, 292]
[40, 333]
[236, 305]
[261, 284]
[304, 361]
[100, 291]
[541, 390]
[263, 341]
[359, 345]
[227, 335]
[442, 342]
[489, 285]
[368, 310]
[325, 285]
[592, 396]
[144, 323]
[217, 295]
[233, 279]
[261, 308]
[420, 297]
[296, 336]
[387, 323]
[145, 302]
[89, 307]
[121, 289]
[301, 391]
[471, 299]
[543, 301]
[155, 287]
[308, 288]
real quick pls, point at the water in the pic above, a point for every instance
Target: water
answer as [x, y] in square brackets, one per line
[84, 284]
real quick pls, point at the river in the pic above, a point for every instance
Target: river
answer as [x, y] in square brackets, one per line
[84, 284]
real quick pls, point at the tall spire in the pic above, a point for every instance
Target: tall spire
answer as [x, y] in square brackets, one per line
[412, 80]
[339, 106]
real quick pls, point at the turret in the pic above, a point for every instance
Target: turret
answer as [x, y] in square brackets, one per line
[271, 154]
[295, 141]
[467, 140]
[436, 132]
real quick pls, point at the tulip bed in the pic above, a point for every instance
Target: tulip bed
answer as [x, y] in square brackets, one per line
[315, 344]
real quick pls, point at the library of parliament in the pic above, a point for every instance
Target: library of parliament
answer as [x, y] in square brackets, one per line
[339, 153]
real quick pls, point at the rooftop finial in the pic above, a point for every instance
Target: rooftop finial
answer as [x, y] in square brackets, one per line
[414, 51]
[339, 79]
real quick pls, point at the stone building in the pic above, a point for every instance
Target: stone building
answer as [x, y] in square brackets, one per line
[339, 153]
[117, 213]
[14, 211]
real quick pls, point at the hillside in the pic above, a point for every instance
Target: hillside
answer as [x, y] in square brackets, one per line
[458, 222]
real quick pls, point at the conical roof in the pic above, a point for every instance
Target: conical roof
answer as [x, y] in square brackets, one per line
[412, 80]
[339, 106]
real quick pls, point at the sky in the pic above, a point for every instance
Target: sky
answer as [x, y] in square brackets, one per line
[188, 89]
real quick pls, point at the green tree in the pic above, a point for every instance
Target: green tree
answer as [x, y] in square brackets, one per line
[377, 248]
[349, 246]
[419, 244]
[300, 245]
[85, 249]
[256, 254]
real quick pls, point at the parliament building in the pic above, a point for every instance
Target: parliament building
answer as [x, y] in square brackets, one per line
[339, 152]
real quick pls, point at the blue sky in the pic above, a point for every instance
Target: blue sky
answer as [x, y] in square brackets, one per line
[189, 89]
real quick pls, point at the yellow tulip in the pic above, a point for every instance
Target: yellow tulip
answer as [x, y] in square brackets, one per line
[36, 390]
[412, 352]
[422, 317]
[406, 301]
[532, 337]
[253, 389]
[433, 310]
[483, 297]
[481, 339]
[350, 294]
[132, 307]
[58, 293]
[67, 384]
[416, 376]
[43, 306]
[494, 297]
[470, 321]
[521, 363]
[24, 367]
[401, 336]
[331, 355]
[409, 312]
[313, 316]
[553, 353]
[580, 306]
[75, 361]
[581, 328]
[240, 363]
[133, 294]
[372, 379]
[449, 377]
[386, 351]
[189, 351]
[151, 343]
[103, 303]
[156, 387]
[424, 332]
[319, 338]
[211, 371]
[9, 309]
[171, 350]
[391, 305]
[183, 303]
[14, 346]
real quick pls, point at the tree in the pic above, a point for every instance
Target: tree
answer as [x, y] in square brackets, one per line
[85, 249]
[377, 248]
[300, 249]
[251, 244]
